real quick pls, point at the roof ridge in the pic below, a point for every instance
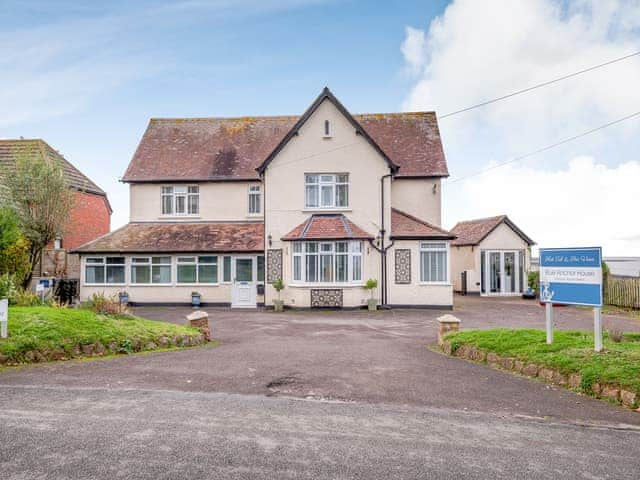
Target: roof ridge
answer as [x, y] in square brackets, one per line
[483, 219]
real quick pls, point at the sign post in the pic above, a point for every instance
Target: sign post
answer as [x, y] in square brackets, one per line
[4, 317]
[572, 276]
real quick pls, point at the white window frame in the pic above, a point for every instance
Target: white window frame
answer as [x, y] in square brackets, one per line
[149, 263]
[187, 193]
[325, 180]
[196, 262]
[435, 246]
[299, 252]
[255, 191]
[103, 263]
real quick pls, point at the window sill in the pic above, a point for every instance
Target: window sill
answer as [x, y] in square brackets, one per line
[104, 284]
[197, 284]
[150, 285]
[435, 284]
[326, 285]
[326, 209]
[177, 217]
[254, 215]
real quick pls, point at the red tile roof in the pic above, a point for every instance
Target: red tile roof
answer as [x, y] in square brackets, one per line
[232, 148]
[327, 227]
[407, 226]
[180, 237]
[472, 232]
[9, 149]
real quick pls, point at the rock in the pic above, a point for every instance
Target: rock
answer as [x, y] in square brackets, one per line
[114, 347]
[184, 341]
[100, 348]
[596, 388]
[507, 363]
[479, 355]
[163, 342]
[518, 366]
[463, 351]
[3, 359]
[30, 356]
[546, 373]
[197, 315]
[493, 359]
[87, 349]
[611, 393]
[559, 378]
[575, 380]
[530, 370]
[446, 347]
[630, 399]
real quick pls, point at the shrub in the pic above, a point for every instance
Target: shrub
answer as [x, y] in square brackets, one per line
[615, 334]
[8, 288]
[534, 281]
[371, 285]
[279, 286]
[26, 298]
[105, 305]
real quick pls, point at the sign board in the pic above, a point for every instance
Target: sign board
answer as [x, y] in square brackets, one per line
[571, 276]
[4, 317]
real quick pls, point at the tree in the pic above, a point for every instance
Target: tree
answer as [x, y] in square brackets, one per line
[37, 190]
[14, 247]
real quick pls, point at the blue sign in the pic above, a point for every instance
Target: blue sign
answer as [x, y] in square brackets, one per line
[571, 276]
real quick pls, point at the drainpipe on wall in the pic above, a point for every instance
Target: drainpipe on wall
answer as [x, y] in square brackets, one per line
[382, 250]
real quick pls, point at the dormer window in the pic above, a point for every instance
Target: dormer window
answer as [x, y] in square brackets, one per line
[327, 129]
[181, 200]
[324, 190]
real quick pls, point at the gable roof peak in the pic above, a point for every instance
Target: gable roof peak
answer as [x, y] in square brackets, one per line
[472, 232]
[326, 94]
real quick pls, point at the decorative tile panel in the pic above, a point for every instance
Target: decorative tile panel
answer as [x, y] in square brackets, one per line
[326, 297]
[403, 266]
[274, 264]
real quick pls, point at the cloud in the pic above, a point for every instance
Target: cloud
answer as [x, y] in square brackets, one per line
[588, 202]
[476, 51]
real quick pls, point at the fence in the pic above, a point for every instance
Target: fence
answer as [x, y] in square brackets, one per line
[622, 291]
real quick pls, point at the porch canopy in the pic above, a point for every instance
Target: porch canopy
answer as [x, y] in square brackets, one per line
[327, 227]
[153, 237]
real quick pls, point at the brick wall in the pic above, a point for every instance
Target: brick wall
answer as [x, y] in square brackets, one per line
[90, 218]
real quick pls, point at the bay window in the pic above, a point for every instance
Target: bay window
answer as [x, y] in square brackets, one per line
[150, 270]
[104, 270]
[181, 200]
[198, 269]
[327, 262]
[326, 190]
[433, 262]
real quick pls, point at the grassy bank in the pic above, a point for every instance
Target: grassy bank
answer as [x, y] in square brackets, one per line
[39, 334]
[570, 356]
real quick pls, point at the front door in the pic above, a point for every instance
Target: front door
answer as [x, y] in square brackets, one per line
[243, 272]
[504, 270]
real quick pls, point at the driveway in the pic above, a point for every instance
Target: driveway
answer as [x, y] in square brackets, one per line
[352, 356]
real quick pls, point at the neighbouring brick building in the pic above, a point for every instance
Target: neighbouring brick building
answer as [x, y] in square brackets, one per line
[90, 217]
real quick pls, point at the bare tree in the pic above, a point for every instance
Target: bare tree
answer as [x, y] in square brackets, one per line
[36, 188]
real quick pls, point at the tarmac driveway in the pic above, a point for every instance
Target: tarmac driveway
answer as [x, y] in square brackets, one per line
[352, 356]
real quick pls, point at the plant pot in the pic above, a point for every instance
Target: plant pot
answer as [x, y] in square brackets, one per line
[372, 303]
[278, 305]
[195, 300]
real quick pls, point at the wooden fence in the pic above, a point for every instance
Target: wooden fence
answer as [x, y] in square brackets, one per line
[622, 291]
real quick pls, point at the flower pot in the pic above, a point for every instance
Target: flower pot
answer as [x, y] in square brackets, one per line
[195, 300]
[372, 303]
[278, 305]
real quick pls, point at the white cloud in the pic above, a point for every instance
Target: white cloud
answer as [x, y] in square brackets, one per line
[590, 203]
[476, 51]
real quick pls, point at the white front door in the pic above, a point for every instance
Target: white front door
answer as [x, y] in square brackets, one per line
[504, 272]
[243, 274]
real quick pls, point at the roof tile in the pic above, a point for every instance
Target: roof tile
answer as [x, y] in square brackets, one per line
[404, 225]
[327, 227]
[472, 232]
[180, 237]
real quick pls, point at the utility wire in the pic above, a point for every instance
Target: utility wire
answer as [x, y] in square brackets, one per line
[548, 147]
[544, 84]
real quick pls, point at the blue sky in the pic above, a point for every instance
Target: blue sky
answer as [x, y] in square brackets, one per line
[87, 76]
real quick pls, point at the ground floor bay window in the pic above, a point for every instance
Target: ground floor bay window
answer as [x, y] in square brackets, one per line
[338, 262]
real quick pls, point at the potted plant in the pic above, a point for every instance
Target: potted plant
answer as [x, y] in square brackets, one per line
[278, 305]
[195, 299]
[371, 285]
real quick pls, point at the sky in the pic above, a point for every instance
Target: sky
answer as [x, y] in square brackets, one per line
[87, 76]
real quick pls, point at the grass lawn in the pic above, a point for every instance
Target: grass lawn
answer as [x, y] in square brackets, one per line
[46, 333]
[571, 352]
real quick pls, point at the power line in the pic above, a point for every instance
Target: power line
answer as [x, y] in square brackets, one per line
[548, 147]
[544, 84]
